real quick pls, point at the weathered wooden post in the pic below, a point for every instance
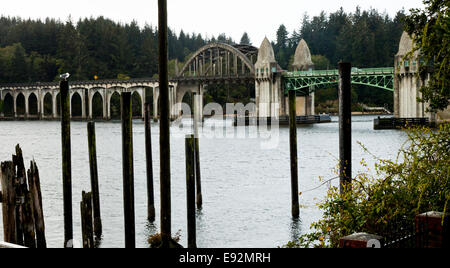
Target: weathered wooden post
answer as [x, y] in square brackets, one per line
[148, 153]
[86, 220]
[8, 202]
[35, 190]
[66, 163]
[190, 191]
[94, 179]
[21, 191]
[166, 220]
[345, 126]
[294, 152]
[128, 170]
[198, 179]
[29, 234]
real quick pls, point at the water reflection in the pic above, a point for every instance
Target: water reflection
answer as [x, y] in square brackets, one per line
[296, 229]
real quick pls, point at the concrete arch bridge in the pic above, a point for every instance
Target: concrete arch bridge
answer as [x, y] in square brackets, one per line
[219, 63]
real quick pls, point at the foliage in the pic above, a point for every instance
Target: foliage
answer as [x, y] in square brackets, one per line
[430, 29]
[321, 62]
[417, 182]
[156, 240]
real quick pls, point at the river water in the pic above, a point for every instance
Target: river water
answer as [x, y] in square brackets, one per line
[246, 187]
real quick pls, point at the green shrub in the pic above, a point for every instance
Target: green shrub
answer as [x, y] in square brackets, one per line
[416, 182]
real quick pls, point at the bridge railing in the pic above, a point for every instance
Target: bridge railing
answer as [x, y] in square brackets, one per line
[355, 71]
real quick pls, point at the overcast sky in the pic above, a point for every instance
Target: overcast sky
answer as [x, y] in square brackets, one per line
[209, 17]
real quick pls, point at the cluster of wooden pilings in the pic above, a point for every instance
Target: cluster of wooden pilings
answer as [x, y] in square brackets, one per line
[90, 205]
[23, 217]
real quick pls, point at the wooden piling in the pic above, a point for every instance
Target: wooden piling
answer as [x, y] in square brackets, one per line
[38, 212]
[8, 202]
[66, 164]
[198, 180]
[29, 234]
[190, 191]
[94, 179]
[148, 153]
[345, 126]
[86, 220]
[294, 152]
[128, 171]
[166, 219]
[21, 192]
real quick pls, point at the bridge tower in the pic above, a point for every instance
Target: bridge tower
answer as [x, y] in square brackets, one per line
[303, 62]
[268, 90]
[407, 84]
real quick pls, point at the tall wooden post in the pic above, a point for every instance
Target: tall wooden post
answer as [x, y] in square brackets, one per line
[128, 171]
[66, 164]
[166, 220]
[190, 191]
[148, 153]
[8, 202]
[198, 177]
[94, 179]
[294, 152]
[345, 126]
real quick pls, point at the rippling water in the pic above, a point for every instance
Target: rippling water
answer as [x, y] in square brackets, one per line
[246, 189]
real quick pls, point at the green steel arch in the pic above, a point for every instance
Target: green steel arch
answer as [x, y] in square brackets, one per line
[309, 81]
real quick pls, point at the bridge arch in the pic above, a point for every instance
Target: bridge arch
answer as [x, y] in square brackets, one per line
[48, 104]
[20, 104]
[76, 105]
[137, 104]
[322, 85]
[33, 105]
[206, 59]
[382, 78]
[8, 105]
[114, 105]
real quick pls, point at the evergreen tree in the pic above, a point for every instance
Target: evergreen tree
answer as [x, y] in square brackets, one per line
[245, 40]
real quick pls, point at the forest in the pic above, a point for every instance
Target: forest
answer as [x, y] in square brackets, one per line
[99, 48]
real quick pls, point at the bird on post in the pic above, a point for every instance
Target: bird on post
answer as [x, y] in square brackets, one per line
[64, 76]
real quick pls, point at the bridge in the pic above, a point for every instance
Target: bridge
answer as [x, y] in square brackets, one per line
[221, 63]
[306, 81]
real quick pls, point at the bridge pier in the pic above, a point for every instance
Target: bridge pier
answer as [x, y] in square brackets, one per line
[407, 86]
[54, 104]
[15, 104]
[198, 104]
[155, 103]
